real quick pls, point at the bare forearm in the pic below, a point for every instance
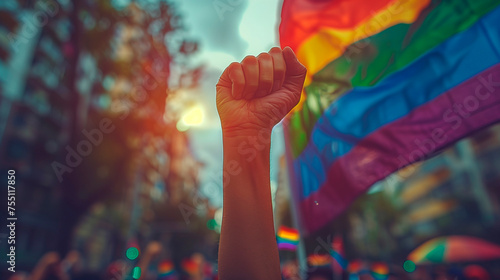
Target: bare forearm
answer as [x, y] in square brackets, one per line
[248, 248]
[252, 97]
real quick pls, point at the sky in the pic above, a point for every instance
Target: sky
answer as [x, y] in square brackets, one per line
[227, 31]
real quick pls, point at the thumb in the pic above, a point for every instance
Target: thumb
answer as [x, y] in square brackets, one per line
[295, 71]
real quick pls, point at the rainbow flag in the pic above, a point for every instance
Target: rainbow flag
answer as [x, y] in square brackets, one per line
[288, 238]
[189, 266]
[166, 269]
[337, 253]
[390, 82]
[380, 271]
[317, 260]
[355, 267]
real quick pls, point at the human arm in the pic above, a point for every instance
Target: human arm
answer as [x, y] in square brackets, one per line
[252, 96]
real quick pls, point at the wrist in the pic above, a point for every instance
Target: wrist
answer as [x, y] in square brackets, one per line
[258, 139]
[247, 130]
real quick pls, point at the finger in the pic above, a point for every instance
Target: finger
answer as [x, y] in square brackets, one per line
[250, 67]
[295, 72]
[224, 80]
[265, 74]
[237, 80]
[279, 67]
[232, 81]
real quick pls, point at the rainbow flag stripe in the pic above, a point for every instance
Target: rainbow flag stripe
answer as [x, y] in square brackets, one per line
[189, 266]
[380, 271]
[317, 260]
[339, 259]
[337, 253]
[355, 267]
[287, 238]
[332, 32]
[165, 269]
[415, 84]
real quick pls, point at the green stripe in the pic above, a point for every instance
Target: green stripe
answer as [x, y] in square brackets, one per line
[286, 240]
[437, 254]
[368, 61]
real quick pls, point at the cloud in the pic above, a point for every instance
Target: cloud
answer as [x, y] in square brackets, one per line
[215, 23]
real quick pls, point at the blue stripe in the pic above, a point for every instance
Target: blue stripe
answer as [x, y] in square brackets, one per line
[364, 109]
[339, 258]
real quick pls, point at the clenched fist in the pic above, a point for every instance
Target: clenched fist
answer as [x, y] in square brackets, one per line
[258, 92]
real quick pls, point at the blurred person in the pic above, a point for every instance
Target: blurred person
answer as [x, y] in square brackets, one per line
[72, 263]
[252, 97]
[116, 270]
[19, 276]
[51, 267]
[290, 270]
[48, 268]
[153, 249]
[476, 272]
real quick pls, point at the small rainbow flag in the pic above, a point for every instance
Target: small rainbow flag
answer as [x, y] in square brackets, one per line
[190, 266]
[166, 269]
[380, 271]
[317, 260]
[288, 238]
[337, 254]
[355, 267]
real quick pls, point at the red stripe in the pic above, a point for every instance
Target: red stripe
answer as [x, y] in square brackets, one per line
[398, 144]
[303, 18]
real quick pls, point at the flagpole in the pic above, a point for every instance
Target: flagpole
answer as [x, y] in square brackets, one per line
[301, 252]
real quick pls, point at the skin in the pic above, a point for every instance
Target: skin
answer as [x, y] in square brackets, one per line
[152, 250]
[252, 97]
[50, 262]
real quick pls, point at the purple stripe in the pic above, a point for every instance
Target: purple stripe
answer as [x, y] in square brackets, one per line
[455, 114]
[286, 246]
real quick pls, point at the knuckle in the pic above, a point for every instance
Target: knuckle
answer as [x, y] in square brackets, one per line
[264, 56]
[275, 50]
[249, 59]
[234, 66]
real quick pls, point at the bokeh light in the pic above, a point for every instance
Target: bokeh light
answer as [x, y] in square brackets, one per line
[409, 266]
[132, 253]
[193, 116]
[211, 224]
[136, 272]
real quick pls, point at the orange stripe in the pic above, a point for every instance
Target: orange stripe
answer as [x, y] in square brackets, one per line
[330, 43]
[289, 236]
[302, 18]
[288, 233]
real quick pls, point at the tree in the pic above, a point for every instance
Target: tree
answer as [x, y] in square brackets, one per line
[114, 64]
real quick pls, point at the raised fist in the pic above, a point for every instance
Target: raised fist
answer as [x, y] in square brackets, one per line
[258, 92]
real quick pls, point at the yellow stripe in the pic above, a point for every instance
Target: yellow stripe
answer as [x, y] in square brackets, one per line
[423, 186]
[431, 210]
[288, 235]
[328, 43]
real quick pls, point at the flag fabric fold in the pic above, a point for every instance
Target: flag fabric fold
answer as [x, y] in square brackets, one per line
[401, 98]
[287, 238]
